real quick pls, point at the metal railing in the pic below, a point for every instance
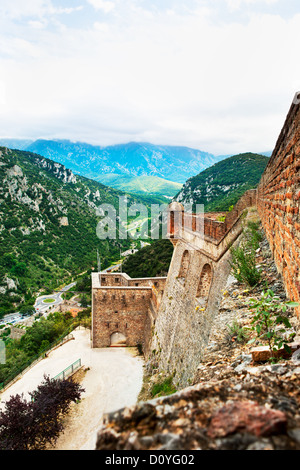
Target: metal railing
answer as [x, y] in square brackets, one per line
[68, 371]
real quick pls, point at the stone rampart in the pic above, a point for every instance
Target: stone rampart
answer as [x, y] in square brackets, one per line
[278, 203]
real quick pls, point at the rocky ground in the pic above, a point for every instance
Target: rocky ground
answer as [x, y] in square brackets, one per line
[234, 402]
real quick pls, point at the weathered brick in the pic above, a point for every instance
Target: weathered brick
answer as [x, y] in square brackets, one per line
[278, 196]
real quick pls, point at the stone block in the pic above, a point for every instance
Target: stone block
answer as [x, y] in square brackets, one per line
[262, 353]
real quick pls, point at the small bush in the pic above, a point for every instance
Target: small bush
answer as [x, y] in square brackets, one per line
[238, 333]
[270, 322]
[243, 266]
[32, 425]
[243, 261]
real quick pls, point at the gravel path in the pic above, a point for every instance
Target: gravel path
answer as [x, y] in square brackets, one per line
[113, 379]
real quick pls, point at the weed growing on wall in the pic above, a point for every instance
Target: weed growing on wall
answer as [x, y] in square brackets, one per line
[271, 323]
[243, 261]
[237, 333]
[163, 388]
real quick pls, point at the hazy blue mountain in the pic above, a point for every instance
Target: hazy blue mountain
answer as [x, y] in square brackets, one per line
[267, 154]
[19, 144]
[134, 159]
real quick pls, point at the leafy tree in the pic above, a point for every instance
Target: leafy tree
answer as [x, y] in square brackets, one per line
[19, 269]
[152, 260]
[83, 301]
[16, 424]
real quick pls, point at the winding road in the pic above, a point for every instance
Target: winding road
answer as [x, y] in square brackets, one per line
[42, 306]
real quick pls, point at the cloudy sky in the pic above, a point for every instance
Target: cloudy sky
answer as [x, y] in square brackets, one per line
[217, 75]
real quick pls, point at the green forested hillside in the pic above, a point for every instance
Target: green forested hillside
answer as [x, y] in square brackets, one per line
[221, 185]
[151, 261]
[48, 220]
[142, 185]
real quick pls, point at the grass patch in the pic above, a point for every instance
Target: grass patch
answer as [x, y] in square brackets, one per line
[164, 388]
[243, 262]
[237, 333]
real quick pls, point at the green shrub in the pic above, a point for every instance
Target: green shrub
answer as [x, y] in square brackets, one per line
[243, 266]
[271, 323]
[163, 388]
[243, 261]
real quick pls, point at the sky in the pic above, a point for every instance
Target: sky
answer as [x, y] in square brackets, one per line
[216, 75]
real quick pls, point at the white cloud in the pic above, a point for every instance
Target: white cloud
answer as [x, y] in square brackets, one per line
[104, 5]
[103, 27]
[38, 24]
[174, 79]
[237, 4]
[2, 93]
[16, 9]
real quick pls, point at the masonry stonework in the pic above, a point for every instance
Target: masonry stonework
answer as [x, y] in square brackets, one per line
[125, 306]
[278, 203]
[197, 275]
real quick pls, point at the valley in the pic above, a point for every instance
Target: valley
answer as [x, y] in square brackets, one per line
[49, 215]
[48, 221]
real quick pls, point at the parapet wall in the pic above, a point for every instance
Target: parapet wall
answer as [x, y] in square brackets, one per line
[278, 203]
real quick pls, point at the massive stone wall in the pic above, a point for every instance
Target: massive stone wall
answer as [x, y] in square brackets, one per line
[197, 275]
[117, 311]
[187, 311]
[125, 307]
[278, 203]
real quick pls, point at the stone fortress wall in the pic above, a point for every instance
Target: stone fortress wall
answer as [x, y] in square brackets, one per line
[172, 317]
[197, 275]
[124, 306]
[278, 203]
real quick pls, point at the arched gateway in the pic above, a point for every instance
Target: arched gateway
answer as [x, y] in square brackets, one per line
[118, 339]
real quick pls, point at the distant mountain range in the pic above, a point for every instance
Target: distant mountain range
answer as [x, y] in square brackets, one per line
[171, 163]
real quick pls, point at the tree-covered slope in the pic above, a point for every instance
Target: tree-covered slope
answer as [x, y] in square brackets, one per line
[48, 220]
[221, 185]
[151, 261]
[141, 185]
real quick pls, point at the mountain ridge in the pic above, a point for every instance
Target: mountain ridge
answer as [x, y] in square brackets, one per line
[174, 163]
[221, 185]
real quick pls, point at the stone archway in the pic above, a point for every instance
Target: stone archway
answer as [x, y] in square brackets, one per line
[117, 339]
[204, 281]
[185, 261]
